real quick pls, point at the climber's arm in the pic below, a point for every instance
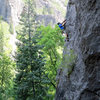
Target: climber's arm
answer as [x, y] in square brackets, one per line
[63, 24]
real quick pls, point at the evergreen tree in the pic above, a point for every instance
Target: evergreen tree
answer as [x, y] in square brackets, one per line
[30, 81]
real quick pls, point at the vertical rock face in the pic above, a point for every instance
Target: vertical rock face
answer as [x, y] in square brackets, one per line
[83, 26]
[16, 7]
[10, 10]
[5, 9]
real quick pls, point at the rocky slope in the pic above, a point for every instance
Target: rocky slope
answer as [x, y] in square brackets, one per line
[83, 26]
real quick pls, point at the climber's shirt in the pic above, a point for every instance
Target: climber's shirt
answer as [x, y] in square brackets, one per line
[61, 27]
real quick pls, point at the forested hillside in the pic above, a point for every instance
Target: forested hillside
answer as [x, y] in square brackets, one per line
[30, 48]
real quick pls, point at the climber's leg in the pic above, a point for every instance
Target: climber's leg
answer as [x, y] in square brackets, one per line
[67, 38]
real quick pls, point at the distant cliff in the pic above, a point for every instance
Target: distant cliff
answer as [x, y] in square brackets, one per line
[10, 10]
[5, 9]
[82, 82]
[48, 11]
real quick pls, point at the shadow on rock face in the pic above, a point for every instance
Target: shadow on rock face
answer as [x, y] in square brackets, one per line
[60, 94]
[92, 76]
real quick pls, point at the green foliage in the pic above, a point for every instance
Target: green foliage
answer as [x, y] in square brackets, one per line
[51, 37]
[11, 29]
[66, 2]
[69, 60]
[53, 42]
[4, 37]
[30, 81]
[70, 57]
[35, 77]
[6, 64]
[6, 77]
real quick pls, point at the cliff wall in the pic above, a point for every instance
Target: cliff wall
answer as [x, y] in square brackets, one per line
[83, 27]
[5, 9]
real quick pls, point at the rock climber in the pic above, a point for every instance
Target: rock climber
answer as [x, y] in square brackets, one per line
[62, 27]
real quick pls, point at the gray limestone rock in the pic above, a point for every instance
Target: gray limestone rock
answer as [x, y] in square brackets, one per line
[83, 27]
[10, 10]
[5, 9]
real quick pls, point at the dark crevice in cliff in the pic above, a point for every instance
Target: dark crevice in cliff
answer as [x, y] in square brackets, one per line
[92, 59]
[92, 4]
[60, 94]
[89, 95]
[92, 75]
